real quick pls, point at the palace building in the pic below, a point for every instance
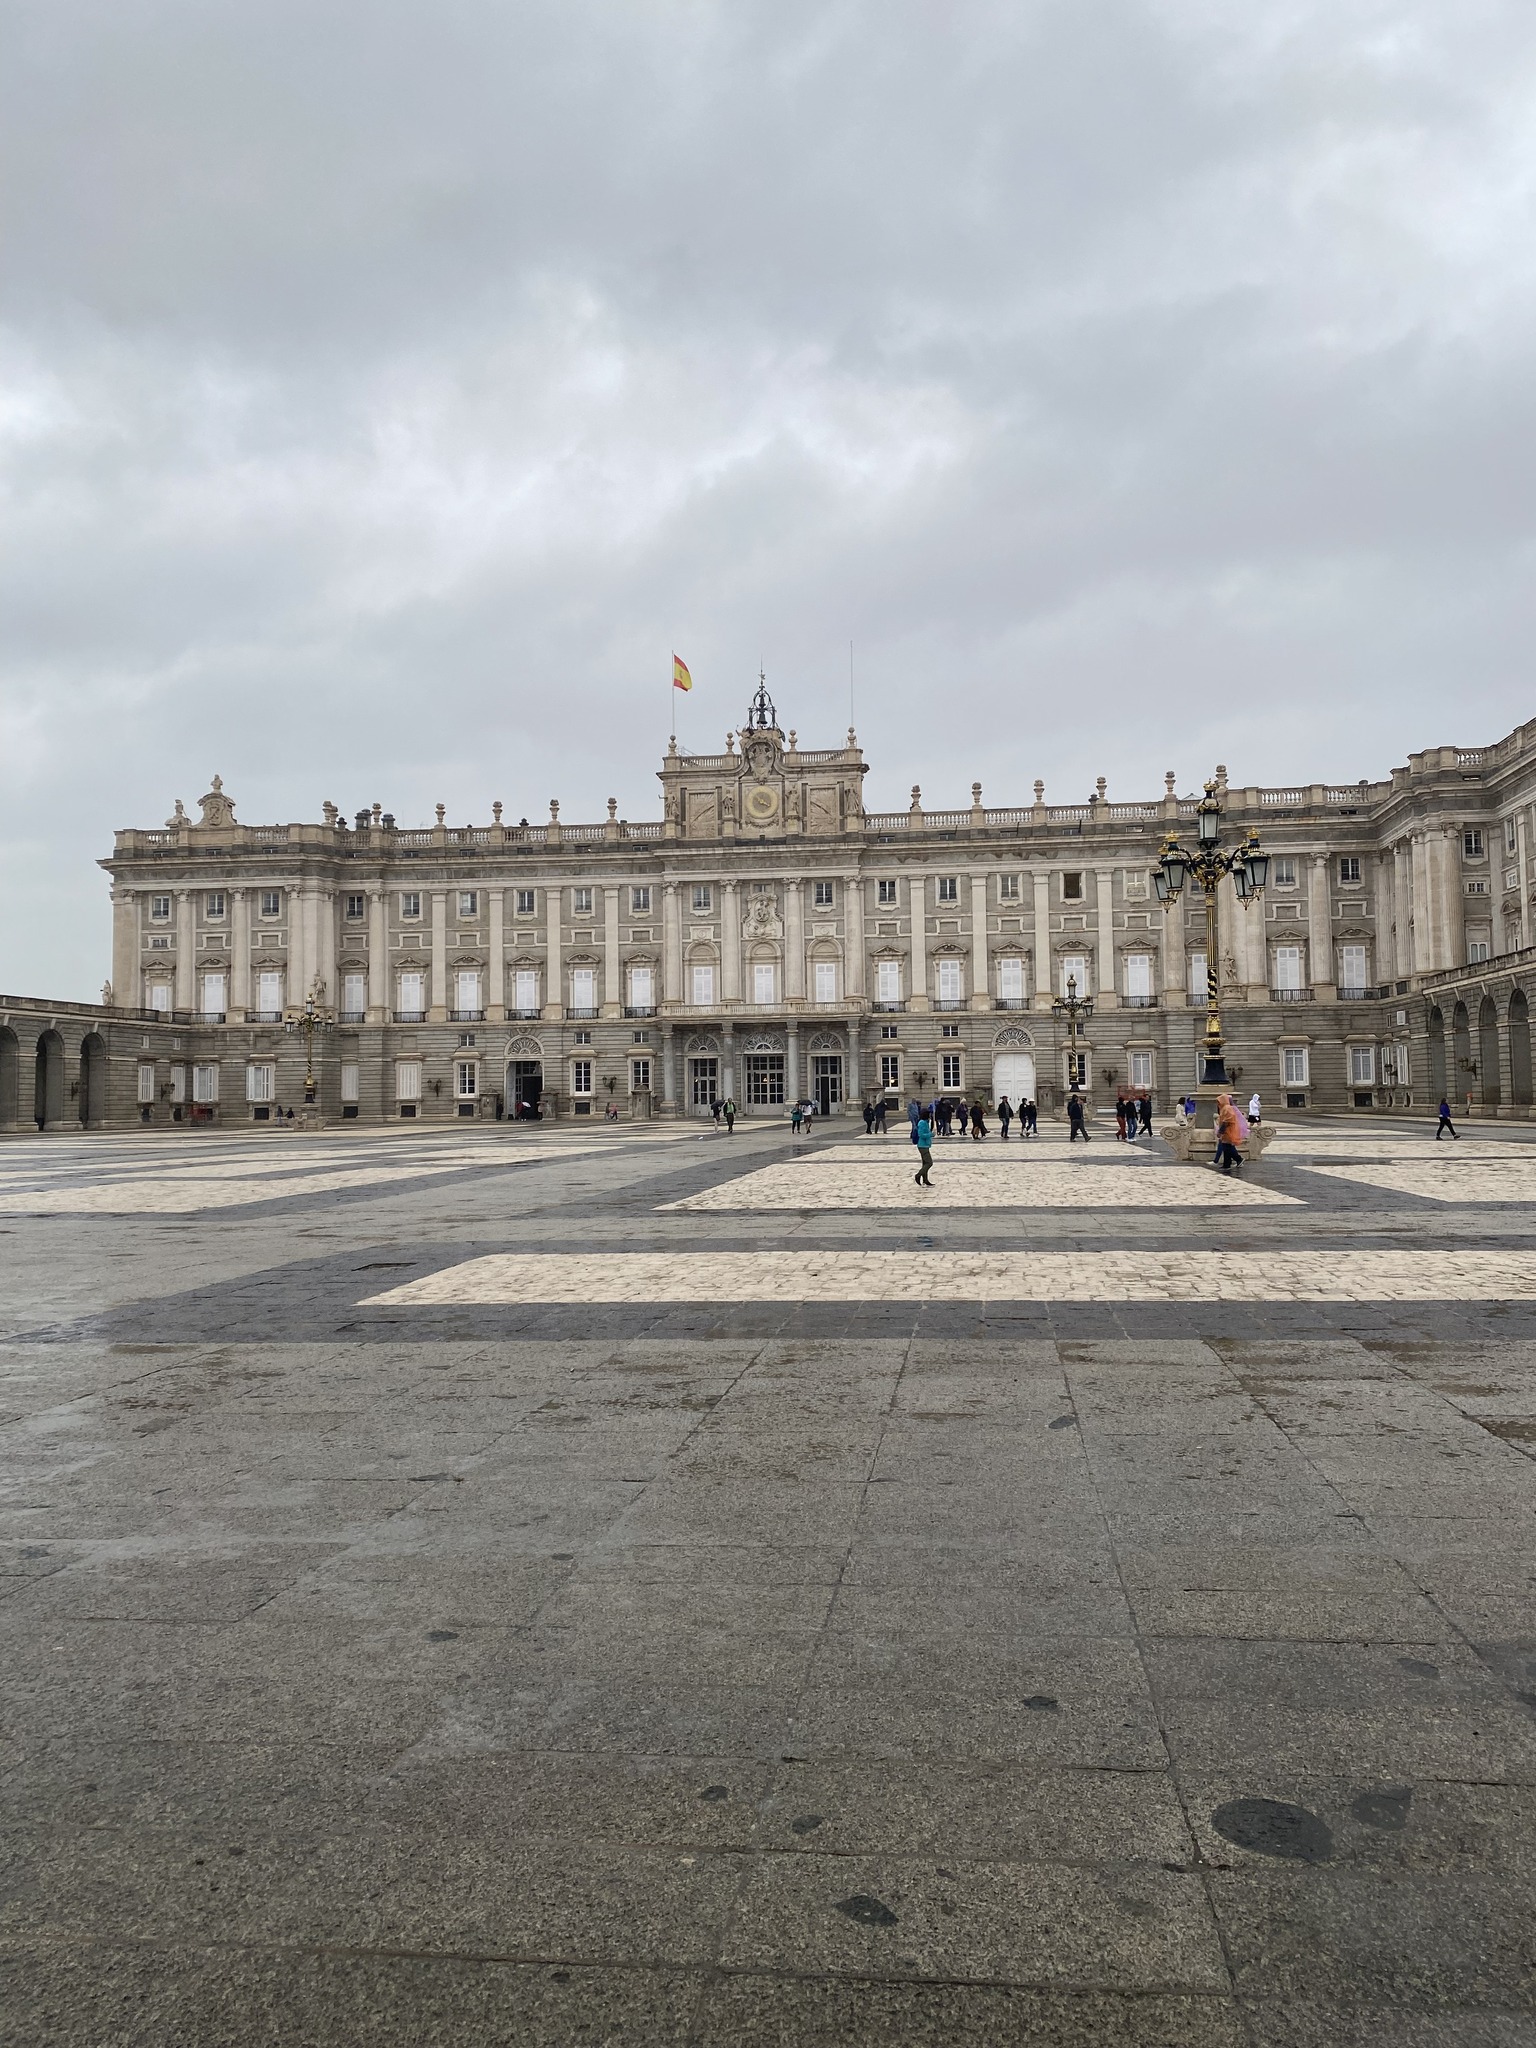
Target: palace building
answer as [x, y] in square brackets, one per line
[769, 939]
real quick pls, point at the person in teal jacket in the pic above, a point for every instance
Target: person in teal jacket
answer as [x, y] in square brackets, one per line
[923, 1134]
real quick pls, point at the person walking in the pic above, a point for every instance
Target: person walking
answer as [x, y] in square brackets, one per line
[914, 1111]
[978, 1120]
[1144, 1112]
[1077, 1120]
[922, 1138]
[963, 1115]
[728, 1111]
[1120, 1119]
[715, 1106]
[1255, 1108]
[794, 1119]
[1005, 1115]
[880, 1116]
[869, 1119]
[1229, 1132]
[1030, 1117]
[1445, 1123]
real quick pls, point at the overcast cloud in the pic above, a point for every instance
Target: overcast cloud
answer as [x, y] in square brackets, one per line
[388, 389]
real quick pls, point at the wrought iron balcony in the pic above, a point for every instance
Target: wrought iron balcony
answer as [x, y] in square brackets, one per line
[579, 1012]
[640, 1009]
[891, 1008]
[210, 1016]
[1010, 1003]
[410, 1016]
[1290, 995]
[1139, 1002]
[949, 1003]
[263, 1016]
[525, 1014]
[352, 1016]
[466, 1016]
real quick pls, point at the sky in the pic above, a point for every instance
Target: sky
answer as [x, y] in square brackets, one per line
[387, 390]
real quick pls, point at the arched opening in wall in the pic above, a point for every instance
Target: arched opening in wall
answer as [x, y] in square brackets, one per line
[48, 1094]
[10, 1078]
[1437, 1079]
[1488, 1062]
[93, 1081]
[1519, 1049]
[1461, 1053]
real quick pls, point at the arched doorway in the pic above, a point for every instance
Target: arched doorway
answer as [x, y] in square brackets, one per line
[1488, 1051]
[1013, 1067]
[93, 1081]
[1437, 1081]
[1519, 1050]
[10, 1078]
[525, 1078]
[48, 1094]
[1461, 1052]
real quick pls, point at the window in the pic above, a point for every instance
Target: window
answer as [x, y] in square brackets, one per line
[1352, 972]
[146, 1082]
[890, 1070]
[1198, 989]
[524, 902]
[949, 1070]
[1072, 888]
[1477, 949]
[763, 1073]
[269, 991]
[1138, 977]
[949, 1031]
[408, 1080]
[1477, 888]
[703, 987]
[639, 1076]
[1511, 841]
[642, 989]
[1074, 968]
[821, 896]
[581, 903]
[466, 1075]
[826, 981]
[946, 889]
[1008, 888]
[1472, 842]
[205, 1084]
[1283, 871]
[356, 907]
[1077, 1070]
[413, 1001]
[467, 990]
[160, 996]
[584, 990]
[1362, 1065]
[889, 1031]
[354, 995]
[704, 1082]
[525, 991]
[271, 902]
[260, 1081]
[469, 903]
[178, 1083]
[887, 981]
[581, 1077]
[1294, 1066]
[213, 998]
[582, 1037]
[1288, 968]
[215, 905]
[639, 902]
[949, 981]
[885, 893]
[1349, 868]
[410, 903]
[160, 908]
[701, 896]
[1010, 979]
[763, 978]
[349, 1080]
[1141, 1070]
[642, 1037]
[1136, 883]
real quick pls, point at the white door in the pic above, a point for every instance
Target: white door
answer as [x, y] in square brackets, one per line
[354, 994]
[1288, 967]
[469, 989]
[1013, 1075]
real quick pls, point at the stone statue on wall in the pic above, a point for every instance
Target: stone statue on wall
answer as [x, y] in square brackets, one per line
[216, 807]
[762, 920]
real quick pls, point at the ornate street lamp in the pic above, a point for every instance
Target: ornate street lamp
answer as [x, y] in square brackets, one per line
[1248, 865]
[309, 1021]
[1072, 1006]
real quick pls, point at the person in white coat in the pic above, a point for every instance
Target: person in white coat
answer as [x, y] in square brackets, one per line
[1255, 1107]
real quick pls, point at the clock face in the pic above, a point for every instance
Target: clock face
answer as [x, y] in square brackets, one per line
[762, 804]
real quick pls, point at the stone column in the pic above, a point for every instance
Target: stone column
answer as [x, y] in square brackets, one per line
[437, 995]
[730, 944]
[794, 944]
[1402, 950]
[981, 976]
[855, 973]
[127, 978]
[554, 965]
[1044, 986]
[853, 1087]
[613, 987]
[792, 1088]
[378, 958]
[496, 958]
[239, 952]
[325, 946]
[1525, 893]
[1104, 880]
[1175, 961]
[668, 1073]
[727, 1062]
[1423, 908]
[671, 946]
[186, 952]
[917, 906]
[1320, 967]
[1450, 929]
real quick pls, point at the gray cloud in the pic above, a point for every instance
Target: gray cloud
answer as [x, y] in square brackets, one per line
[390, 389]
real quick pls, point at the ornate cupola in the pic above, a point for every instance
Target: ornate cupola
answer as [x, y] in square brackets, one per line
[763, 786]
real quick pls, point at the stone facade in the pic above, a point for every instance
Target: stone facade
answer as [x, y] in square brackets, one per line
[769, 938]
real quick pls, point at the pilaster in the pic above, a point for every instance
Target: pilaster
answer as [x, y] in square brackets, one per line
[437, 994]
[917, 904]
[378, 957]
[239, 952]
[613, 992]
[981, 978]
[496, 956]
[186, 951]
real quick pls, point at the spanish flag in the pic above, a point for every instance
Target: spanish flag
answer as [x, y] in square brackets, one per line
[681, 680]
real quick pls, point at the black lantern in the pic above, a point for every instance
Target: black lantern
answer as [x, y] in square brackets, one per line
[1257, 862]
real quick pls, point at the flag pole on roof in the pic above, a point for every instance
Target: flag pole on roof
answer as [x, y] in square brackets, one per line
[681, 680]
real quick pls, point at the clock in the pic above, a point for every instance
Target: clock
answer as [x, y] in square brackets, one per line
[762, 804]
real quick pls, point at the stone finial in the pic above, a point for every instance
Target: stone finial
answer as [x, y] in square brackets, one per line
[730, 743]
[1099, 788]
[1221, 774]
[853, 741]
[442, 812]
[1039, 791]
[1169, 781]
[328, 810]
[378, 812]
[496, 810]
[672, 744]
[975, 792]
[613, 807]
[917, 796]
[791, 739]
[554, 807]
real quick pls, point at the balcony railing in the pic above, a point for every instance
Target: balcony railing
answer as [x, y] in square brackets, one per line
[351, 1016]
[892, 1007]
[410, 1016]
[1139, 1002]
[525, 1013]
[1354, 994]
[466, 1016]
[1290, 995]
[263, 1016]
[949, 1003]
[639, 1009]
[1011, 1003]
[580, 1012]
[210, 1016]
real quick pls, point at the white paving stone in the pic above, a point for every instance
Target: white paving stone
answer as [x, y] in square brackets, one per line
[1510, 1176]
[981, 1180]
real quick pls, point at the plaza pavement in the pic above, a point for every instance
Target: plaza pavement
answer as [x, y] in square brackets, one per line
[538, 1586]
